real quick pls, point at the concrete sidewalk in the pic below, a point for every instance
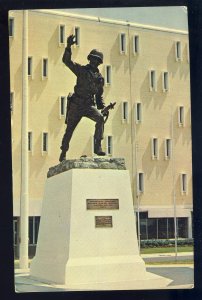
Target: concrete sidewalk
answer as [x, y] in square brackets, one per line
[167, 257]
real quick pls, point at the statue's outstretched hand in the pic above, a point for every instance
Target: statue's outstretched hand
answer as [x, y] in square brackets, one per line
[71, 40]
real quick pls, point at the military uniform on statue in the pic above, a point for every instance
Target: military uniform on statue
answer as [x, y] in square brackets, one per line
[87, 92]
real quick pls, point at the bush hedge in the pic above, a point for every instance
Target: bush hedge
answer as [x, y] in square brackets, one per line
[166, 243]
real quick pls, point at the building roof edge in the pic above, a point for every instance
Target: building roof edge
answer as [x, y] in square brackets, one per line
[110, 21]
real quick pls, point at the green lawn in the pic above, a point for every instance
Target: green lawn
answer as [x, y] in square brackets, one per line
[166, 250]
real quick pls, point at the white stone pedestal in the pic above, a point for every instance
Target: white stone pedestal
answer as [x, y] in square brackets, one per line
[73, 251]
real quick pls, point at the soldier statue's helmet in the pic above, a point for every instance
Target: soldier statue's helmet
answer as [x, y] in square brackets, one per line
[95, 53]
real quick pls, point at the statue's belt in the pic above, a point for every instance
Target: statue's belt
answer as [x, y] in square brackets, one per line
[82, 99]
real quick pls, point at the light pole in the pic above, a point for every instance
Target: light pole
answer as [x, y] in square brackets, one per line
[173, 183]
[24, 204]
[133, 142]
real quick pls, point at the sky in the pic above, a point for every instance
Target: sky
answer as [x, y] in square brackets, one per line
[170, 17]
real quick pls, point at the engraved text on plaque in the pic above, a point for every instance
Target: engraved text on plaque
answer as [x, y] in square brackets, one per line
[102, 203]
[103, 221]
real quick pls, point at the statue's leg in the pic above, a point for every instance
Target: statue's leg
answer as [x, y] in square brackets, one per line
[94, 114]
[73, 119]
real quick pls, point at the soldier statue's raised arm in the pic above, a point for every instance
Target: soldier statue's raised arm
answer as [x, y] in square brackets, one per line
[87, 97]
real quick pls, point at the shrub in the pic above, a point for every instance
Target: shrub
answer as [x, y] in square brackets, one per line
[165, 243]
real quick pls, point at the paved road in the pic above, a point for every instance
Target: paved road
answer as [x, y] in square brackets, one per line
[182, 275]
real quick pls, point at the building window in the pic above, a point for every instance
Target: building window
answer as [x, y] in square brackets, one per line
[15, 231]
[124, 111]
[152, 80]
[168, 147]
[140, 183]
[182, 227]
[33, 230]
[45, 142]
[61, 34]
[154, 148]
[108, 75]
[178, 51]
[77, 35]
[143, 225]
[152, 228]
[122, 43]
[162, 224]
[184, 183]
[11, 27]
[161, 228]
[45, 68]
[138, 112]
[30, 141]
[165, 81]
[181, 119]
[136, 45]
[170, 228]
[62, 106]
[12, 102]
[109, 145]
[29, 66]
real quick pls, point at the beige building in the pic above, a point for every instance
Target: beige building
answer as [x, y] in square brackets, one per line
[146, 71]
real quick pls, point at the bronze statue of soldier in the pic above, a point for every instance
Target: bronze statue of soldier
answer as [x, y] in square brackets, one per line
[87, 100]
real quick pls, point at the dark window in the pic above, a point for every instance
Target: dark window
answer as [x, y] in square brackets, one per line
[62, 34]
[171, 228]
[184, 183]
[123, 42]
[77, 35]
[15, 231]
[33, 229]
[165, 81]
[182, 227]
[152, 228]
[45, 141]
[29, 141]
[168, 148]
[162, 228]
[154, 147]
[11, 27]
[109, 144]
[29, 66]
[143, 229]
[178, 50]
[139, 112]
[136, 44]
[62, 106]
[45, 67]
[108, 74]
[181, 114]
[125, 110]
[141, 182]
[144, 215]
[153, 79]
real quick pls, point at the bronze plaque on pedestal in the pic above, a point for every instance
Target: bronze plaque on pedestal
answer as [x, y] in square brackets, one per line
[102, 203]
[103, 221]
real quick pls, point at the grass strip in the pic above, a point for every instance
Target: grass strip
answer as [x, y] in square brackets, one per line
[166, 250]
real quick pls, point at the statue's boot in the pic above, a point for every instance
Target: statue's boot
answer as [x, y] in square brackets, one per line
[97, 148]
[62, 156]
